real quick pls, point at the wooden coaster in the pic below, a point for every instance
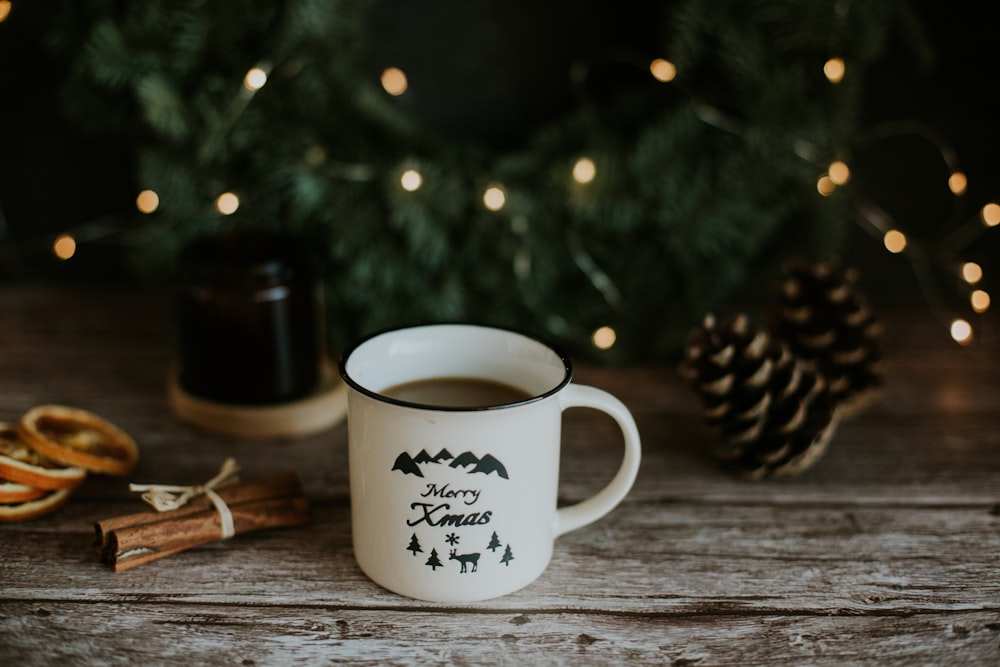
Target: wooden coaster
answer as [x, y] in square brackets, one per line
[317, 412]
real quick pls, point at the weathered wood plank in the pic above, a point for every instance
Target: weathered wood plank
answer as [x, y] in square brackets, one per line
[149, 632]
[645, 557]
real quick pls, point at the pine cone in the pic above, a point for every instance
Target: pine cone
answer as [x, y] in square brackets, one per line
[774, 416]
[828, 323]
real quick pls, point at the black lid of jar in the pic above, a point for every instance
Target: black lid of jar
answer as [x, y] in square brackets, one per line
[243, 259]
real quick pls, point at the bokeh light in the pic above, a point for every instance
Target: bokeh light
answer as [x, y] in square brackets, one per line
[147, 201]
[825, 185]
[972, 273]
[663, 70]
[64, 246]
[895, 241]
[411, 180]
[227, 203]
[494, 198]
[394, 81]
[961, 331]
[990, 215]
[980, 301]
[584, 171]
[834, 69]
[255, 79]
[839, 172]
[957, 183]
[604, 338]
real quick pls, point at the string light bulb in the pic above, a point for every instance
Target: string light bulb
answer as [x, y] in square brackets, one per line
[957, 183]
[584, 171]
[411, 180]
[5, 8]
[990, 214]
[895, 241]
[961, 331]
[147, 201]
[604, 338]
[834, 69]
[494, 198]
[255, 79]
[663, 70]
[227, 203]
[825, 185]
[64, 246]
[839, 172]
[980, 300]
[972, 273]
[394, 81]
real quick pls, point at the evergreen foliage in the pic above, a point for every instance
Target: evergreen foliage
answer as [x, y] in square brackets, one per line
[697, 180]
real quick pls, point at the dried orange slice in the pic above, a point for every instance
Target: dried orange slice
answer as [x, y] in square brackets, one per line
[76, 437]
[12, 492]
[10, 512]
[21, 465]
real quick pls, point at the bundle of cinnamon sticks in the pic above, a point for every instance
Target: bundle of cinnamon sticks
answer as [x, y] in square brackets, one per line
[271, 502]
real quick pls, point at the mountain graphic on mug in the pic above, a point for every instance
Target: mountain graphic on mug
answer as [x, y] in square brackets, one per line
[410, 465]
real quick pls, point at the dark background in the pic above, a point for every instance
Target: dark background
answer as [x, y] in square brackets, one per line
[956, 102]
[53, 177]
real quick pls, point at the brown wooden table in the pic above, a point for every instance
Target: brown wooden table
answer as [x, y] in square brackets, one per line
[886, 552]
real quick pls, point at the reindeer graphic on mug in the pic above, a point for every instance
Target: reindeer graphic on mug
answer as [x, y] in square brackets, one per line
[446, 503]
[465, 559]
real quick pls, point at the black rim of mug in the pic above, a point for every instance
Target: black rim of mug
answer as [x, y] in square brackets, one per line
[351, 382]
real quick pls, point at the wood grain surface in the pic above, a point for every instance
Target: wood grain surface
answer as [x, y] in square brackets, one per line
[887, 552]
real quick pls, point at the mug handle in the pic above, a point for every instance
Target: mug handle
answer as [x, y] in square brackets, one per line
[590, 510]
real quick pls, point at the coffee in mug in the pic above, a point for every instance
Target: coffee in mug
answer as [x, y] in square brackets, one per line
[457, 392]
[454, 434]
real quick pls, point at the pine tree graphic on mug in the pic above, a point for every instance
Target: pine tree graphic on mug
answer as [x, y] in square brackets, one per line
[414, 545]
[494, 542]
[508, 556]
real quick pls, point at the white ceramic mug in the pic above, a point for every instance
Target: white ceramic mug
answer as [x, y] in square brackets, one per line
[458, 504]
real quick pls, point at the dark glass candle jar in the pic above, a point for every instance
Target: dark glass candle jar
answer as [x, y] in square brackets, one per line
[248, 319]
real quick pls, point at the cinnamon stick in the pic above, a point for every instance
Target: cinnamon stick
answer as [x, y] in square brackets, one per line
[133, 539]
[279, 485]
[141, 543]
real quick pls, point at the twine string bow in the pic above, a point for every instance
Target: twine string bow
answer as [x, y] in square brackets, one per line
[164, 497]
